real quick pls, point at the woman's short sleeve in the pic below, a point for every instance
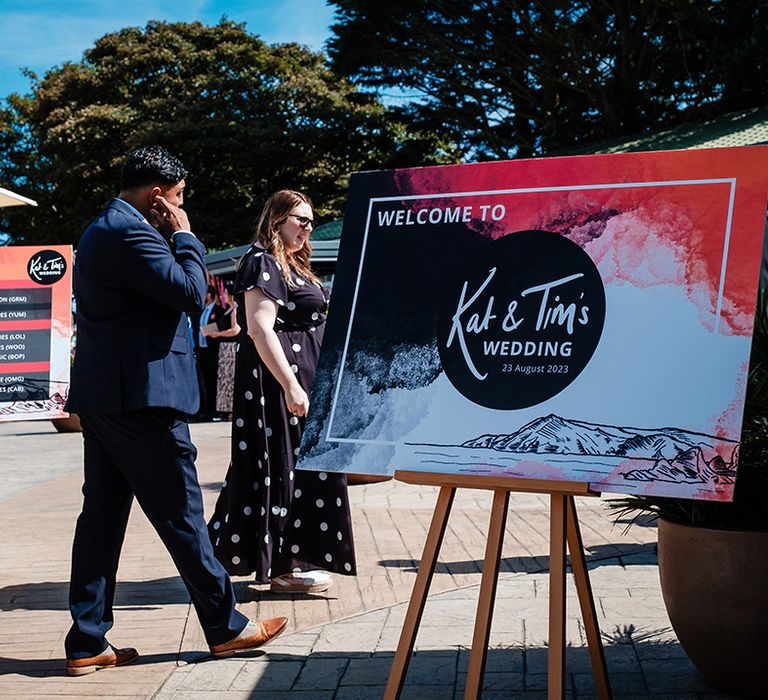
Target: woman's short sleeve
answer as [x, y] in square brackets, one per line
[260, 269]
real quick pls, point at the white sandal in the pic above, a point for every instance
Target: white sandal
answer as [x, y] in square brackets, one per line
[302, 582]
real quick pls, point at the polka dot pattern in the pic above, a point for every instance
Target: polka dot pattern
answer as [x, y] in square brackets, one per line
[272, 519]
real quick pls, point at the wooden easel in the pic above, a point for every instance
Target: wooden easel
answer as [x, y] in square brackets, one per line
[564, 527]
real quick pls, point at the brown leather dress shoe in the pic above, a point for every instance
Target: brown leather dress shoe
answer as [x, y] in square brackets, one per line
[81, 667]
[256, 634]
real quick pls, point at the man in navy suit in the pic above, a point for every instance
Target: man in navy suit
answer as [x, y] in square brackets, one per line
[139, 271]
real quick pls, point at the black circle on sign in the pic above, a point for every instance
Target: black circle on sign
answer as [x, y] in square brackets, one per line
[46, 267]
[521, 320]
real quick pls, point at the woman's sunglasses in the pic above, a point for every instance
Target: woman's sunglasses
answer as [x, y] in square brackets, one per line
[304, 221]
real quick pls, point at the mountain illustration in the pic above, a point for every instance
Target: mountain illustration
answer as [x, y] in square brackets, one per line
[54, 403]
[677, 455]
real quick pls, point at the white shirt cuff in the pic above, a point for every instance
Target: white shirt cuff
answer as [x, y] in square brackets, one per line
[183, 231]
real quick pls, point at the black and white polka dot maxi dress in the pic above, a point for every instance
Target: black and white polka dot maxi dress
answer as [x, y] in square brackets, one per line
[269, 518]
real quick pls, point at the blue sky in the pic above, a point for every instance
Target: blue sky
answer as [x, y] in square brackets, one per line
[46, 33]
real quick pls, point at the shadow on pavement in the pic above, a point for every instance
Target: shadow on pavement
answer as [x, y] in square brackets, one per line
[598, 555]
[39, 668]
[130, 595]
[248, 592]
[640, 663]
[214, 486]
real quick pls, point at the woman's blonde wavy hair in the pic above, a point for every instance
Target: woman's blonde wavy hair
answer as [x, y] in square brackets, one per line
[275, 212]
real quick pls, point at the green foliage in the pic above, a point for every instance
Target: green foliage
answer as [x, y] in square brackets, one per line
[508, 78]
[244, 117]
[749, 508]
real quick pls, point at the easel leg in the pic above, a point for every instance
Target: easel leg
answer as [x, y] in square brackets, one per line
[487, 596]
[556, 649]
[419, 593]
[587, 603]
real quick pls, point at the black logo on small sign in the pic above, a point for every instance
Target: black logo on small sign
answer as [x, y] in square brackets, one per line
[46, 267]
[521, 320]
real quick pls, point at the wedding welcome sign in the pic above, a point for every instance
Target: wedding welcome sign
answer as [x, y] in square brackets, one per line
[584, 318]
[35, 331]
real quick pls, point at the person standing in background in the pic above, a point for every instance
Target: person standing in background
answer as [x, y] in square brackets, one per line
[228, 337]
[207, 352]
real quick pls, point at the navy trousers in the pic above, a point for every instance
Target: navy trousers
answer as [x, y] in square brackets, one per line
[147, 453]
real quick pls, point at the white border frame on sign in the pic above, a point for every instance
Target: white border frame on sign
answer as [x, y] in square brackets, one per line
[520, 190]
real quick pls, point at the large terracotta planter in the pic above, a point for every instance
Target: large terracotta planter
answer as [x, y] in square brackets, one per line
[70, 424]
[715, 587]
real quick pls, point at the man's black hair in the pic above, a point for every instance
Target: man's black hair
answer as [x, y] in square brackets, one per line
[151, 165]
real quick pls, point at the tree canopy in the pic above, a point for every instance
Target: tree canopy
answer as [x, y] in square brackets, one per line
[245, 118]
[506, 78]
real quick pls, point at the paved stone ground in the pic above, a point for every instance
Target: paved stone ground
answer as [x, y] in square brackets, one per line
[340, 644]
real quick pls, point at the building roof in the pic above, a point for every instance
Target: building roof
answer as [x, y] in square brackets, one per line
[324, 251]
[746, 128]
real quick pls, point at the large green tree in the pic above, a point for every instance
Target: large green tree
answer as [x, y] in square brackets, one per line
[245, 117]
[517, 78]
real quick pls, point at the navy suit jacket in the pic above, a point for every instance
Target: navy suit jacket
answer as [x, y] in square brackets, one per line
[133, 291]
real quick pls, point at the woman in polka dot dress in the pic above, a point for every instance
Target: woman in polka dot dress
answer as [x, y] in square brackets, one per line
[282, 523]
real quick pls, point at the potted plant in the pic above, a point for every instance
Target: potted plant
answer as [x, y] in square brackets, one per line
[713, 557]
